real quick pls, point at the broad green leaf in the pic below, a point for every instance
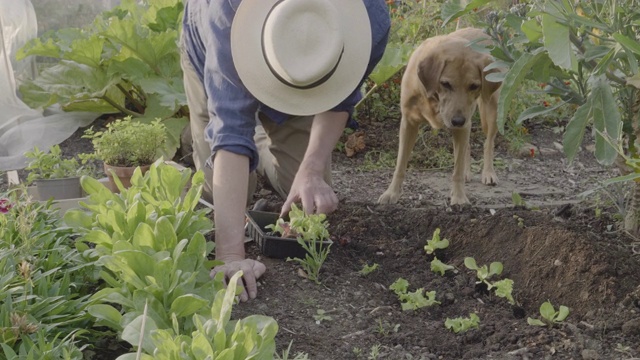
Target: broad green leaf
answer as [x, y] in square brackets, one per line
[187, 305]
[140, 328]
[535, 322]
[470, 263]
[547, 311]
[141, 263]
[136, 215]
[395, 58]
[36, 47]
[606, 119]
[77, 218]
[453, 9]
[108, 314]
[201, 347]
[557, 43]
[131, 68]
[574, 133]
[165, 234]
[144, 237]
[98, 237]
[495, 268]
[72, 81]
[563, 312]
[632, 45]
[532, 30]
[511, 84]
[537, 110]
[170, 91]
[87, 51]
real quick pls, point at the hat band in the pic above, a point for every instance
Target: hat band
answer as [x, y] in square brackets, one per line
[319, 82]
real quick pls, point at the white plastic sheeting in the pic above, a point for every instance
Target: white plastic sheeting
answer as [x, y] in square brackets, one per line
[22, 128]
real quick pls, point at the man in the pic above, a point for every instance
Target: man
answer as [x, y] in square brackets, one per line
[271, 85]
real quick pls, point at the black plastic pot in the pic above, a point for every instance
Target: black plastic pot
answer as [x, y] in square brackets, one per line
[274, 246]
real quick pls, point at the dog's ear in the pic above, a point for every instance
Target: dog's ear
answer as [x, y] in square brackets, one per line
[488, 87]
[429, 71]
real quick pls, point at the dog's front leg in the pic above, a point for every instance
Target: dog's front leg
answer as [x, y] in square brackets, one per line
[460, 155]
[408, 136]
[488, 116]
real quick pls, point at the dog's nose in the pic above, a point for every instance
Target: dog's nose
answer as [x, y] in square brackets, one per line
[458, 120]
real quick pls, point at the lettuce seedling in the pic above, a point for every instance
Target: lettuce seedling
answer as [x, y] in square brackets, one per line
[439, 267]
[550, 316]
[366, 270]
[310, 231]
[435, 243]
[483, 272]
[412, 300]
[461, 324]
[503, 288]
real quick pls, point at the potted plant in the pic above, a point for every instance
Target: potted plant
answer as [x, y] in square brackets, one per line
[53, 176]
[126, 145]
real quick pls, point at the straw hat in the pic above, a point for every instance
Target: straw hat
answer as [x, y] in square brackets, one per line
[301, 57]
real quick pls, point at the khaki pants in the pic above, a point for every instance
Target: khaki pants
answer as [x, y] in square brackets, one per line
[281, 148]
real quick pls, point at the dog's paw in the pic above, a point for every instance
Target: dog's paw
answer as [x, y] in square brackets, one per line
[489, 178]
[459, 199]
[389, 197]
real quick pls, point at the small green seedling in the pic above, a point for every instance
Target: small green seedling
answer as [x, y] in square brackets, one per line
[550, 316]
[439, 267]
[412, 300]
[366, 270]
[518, 200]
[503, 288]
[520, 221]
[483, 272]
[310, 231]
[435, 243]
[321, 316]
[461, 324]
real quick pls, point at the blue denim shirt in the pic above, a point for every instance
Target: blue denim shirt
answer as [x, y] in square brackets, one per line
[232, 109]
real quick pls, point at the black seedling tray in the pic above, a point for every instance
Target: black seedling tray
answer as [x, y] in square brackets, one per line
[274, 246]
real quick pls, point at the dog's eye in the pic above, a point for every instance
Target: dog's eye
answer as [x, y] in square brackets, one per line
[446, 85]
[474, 87]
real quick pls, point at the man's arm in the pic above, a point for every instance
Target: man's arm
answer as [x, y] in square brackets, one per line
[309, 186]
[230, 184]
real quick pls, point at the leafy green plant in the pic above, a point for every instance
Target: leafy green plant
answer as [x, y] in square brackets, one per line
[366, 269]
[412, 300]
[310, 231]
[517, 200]
[215, 335]
[45, 283]
[461, 324]
[126, 62]
[52, 166]
[503, 288]
[435, 243]
[550, 316]
[439, 267]
[128, 143]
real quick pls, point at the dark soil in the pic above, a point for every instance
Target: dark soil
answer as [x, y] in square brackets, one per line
[555, 250]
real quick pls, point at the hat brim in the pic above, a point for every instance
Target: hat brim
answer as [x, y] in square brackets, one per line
[246, 49]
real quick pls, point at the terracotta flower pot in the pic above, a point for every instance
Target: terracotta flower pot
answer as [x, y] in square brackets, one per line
[124, 173]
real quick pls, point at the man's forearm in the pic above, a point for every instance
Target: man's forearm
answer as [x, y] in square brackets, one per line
[230, 184]
[325, 132]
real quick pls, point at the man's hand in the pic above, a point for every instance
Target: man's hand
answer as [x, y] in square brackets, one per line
[314, 193]
[252, 270]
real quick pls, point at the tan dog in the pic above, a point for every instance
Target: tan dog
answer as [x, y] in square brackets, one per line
[442, 84]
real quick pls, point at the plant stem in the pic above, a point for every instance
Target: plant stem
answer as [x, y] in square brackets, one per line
[120, 108]
[373, 88]
[131, 98]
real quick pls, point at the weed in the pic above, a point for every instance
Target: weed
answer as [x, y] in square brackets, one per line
[286, 354]
[321, 316]
[376, 160]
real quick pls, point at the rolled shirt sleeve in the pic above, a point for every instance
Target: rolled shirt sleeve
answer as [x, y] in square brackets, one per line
[232, 108]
